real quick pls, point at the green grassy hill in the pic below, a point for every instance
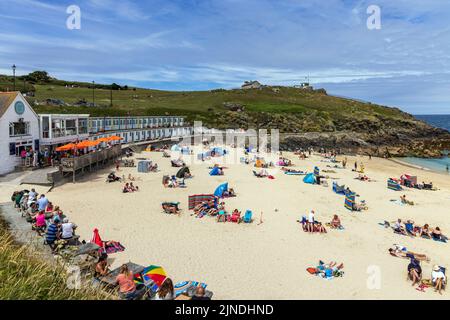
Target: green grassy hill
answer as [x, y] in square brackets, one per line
[287, 108]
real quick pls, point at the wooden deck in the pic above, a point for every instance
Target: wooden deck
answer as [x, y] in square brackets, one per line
[90, 161]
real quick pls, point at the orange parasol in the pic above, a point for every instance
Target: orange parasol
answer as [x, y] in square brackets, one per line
[103, 140]
[115, 138]
[86, 144]
[66, 147]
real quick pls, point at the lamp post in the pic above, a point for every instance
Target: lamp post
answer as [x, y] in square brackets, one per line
[93, 93]
[14, 75]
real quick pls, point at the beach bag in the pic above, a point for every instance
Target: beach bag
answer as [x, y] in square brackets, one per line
[312, 270]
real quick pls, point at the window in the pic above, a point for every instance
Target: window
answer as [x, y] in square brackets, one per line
[20, 128]
[45, 127]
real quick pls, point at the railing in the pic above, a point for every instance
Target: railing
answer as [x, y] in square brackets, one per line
[71, 164]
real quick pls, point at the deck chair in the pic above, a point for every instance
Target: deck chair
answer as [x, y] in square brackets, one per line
[247, 216]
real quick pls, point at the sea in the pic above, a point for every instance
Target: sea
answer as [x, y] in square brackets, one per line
[440, 165]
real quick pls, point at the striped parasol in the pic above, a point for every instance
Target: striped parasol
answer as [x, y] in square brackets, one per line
[152, 277]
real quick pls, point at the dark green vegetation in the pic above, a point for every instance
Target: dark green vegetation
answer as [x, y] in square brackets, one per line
[24, 275]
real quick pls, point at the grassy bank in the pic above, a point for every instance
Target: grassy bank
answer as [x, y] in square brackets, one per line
[26, 276]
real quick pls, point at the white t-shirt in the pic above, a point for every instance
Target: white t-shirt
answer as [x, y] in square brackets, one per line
[67, 230]
[311, 217]
[437, 275]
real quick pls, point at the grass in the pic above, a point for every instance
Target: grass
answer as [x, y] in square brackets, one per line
[26, 276]
[208, 106]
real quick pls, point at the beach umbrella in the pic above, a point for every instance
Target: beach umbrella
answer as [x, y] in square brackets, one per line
[66, 147]
[153, 277]
[96, 238]
[86, 144]
[114, 138]
[103, 140]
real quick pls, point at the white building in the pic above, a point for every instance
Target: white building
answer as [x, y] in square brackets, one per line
[19, 129]
[57, 129]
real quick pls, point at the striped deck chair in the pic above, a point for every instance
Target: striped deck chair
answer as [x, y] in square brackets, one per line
[194, 200]
[350, 199]
[394, 185]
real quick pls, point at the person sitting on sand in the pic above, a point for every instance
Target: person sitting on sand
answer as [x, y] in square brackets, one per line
[200, 294]
[222, 216]
[170, 207]
[398, 227]
[130, 177]
[101, 267]
[336, 222]
[127, 287]
[318, 227]
[414, 271]
[406, 201]
[133, 188]
[425, 231]
[166, 291]
[438, 278]
[67, 229]
[49, 208]
[112, 177]
[436, 234]
[40, 224]
[409, 228]
[229, 193]
[126, 188]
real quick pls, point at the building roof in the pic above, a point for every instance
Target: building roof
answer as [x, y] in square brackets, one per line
[6, 99]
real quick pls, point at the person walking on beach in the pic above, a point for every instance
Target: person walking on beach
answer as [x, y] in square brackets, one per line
[356, 165]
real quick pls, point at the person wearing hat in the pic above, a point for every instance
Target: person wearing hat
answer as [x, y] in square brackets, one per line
[438, 278]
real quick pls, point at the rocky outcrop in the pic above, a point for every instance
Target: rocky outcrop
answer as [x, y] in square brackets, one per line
[377, 135]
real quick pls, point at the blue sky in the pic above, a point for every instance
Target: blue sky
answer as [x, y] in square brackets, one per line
[205, 44]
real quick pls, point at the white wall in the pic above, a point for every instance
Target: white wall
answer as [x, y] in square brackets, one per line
[7, 162]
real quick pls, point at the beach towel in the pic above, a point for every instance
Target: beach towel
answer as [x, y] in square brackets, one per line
[114, 247]
[312, 270]
[184, 286]
[316, 171]
[295, 173]
[197, 199]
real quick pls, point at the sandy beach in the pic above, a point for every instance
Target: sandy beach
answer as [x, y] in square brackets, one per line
[268, 260]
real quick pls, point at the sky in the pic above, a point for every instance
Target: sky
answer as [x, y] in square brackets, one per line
[207, 44]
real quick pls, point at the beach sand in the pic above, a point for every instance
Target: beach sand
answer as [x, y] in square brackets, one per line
[266, 261]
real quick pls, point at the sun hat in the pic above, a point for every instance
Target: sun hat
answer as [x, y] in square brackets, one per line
[65, 220]
[436, 268]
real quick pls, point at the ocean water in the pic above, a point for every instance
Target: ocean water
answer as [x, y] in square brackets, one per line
[439, 121]
[436, 120]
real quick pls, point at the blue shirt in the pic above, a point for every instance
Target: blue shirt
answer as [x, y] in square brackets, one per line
[52, 230]
[42, 203]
